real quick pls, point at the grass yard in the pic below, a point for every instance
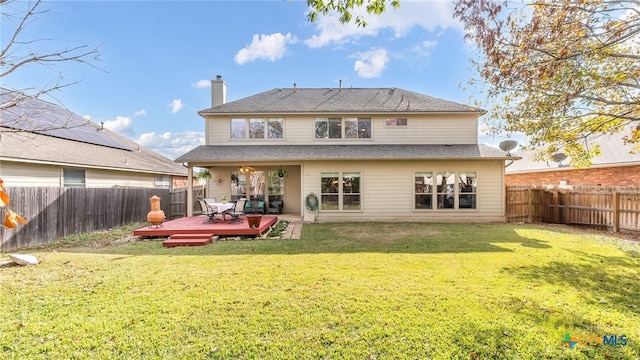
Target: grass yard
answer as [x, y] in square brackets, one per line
[344, 291]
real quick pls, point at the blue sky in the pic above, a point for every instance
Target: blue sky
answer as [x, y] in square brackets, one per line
[157, 58]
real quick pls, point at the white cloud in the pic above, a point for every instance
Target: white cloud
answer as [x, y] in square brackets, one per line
[142, 112]
[171, 145]
[267, 47]
[424, 48]
[176, 105]
[332, 31]
[122, 125]
[371, 63]
[429, 15]
[201, 84]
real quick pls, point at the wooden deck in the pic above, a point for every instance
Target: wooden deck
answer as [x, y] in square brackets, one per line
[200, 225]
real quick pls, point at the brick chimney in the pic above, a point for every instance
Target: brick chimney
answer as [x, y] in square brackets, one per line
[218, 91]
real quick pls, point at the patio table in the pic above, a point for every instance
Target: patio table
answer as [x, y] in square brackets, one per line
[219, 207]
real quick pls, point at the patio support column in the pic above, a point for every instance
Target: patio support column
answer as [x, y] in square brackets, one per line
[189, 190]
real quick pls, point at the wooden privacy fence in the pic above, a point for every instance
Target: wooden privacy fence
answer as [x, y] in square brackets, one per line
[179, 201]
[54, 213]
[616, 208]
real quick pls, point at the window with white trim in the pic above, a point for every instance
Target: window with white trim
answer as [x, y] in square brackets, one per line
[339, 128]
[74, 178]
[424, 190]
[340, 191]
[396, 122]
[257, 128]
[162, 182]
[449, 189]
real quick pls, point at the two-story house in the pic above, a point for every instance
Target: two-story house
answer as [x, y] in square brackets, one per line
[360, 154]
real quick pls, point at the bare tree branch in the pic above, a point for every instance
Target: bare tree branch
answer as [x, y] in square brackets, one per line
[17, 55]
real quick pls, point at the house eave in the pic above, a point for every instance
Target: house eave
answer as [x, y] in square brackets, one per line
[206, 113]
[264, 153]
[88, 166]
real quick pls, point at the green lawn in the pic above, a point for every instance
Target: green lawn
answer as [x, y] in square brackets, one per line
[344, 291]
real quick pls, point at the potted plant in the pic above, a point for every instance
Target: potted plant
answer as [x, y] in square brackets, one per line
[281, 172]
[203, 174]
[224, 199]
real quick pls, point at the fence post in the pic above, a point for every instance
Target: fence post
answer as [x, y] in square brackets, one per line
[616, 213]
[568, 219]
[556, 212]
[530, 207]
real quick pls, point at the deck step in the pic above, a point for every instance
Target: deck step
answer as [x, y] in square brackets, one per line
[187, 240]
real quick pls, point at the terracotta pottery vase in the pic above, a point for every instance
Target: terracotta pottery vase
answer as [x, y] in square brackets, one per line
[156, 215]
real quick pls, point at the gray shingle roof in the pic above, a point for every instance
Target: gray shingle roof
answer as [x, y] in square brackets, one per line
[53, 145]
[38, 148]
[345, 100]
[231, 153]
[614, 152]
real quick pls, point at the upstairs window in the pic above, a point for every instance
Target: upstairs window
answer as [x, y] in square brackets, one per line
[338, 128]
[396, 122]
[257, 128]
[275, 128]
[238, 128]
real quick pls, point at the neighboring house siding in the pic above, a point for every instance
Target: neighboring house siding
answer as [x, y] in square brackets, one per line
[387, 190]
[605, 176]
[26, 174]
[108, 178]
[299, 129]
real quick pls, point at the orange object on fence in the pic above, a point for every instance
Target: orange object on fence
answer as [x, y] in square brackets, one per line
[11, 219]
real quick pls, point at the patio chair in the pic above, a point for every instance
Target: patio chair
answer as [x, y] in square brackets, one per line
[235, 212]
[207, 210]
[275, 207]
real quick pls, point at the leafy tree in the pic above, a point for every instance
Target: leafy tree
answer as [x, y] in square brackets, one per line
[345, 7]
[561, 72]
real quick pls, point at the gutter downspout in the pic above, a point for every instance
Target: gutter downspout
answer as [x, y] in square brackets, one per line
[512, 161]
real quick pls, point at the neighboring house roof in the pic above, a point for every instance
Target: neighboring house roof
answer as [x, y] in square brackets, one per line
[613, 153]
[36, 131]
[222, 153]
[343, 100]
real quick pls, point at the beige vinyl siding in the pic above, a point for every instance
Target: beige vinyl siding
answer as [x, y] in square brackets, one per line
[387, 190]
[26, 174]
[432, 129]
[109, 178]
[423, 129]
